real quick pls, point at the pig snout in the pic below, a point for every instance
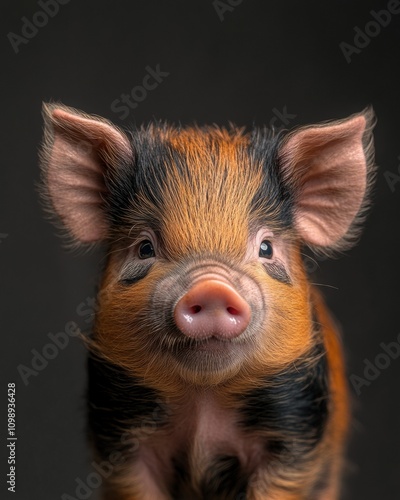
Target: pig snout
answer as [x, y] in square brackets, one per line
[212, 308]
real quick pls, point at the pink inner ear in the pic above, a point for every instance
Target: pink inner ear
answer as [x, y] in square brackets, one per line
[79, 151]
[327, 166]
[97, 131]
[76, 186]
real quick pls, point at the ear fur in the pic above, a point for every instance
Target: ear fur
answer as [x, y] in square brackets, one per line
[330, 168]
[77, 154]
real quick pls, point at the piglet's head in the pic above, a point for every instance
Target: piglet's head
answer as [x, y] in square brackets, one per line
[204, 227]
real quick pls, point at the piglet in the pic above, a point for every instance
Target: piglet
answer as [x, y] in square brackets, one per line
[215, 370]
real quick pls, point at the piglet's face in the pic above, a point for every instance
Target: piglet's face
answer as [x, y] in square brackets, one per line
[204, 226]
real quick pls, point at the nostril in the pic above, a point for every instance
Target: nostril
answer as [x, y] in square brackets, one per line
[212, 307]
[231, 310]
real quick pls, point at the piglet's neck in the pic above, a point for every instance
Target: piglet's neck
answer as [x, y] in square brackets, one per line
[199, 431]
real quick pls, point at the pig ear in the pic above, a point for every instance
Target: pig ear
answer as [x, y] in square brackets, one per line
[77, 155]
[330, 169]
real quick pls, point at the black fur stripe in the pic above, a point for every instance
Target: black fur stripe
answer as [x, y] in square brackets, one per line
[274, 196]
[291, 407]
[148, 175]
[223, 480]
[278, 272]
[116, 404]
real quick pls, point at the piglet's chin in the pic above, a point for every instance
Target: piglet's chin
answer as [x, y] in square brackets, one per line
[210, 360]
[209, 364]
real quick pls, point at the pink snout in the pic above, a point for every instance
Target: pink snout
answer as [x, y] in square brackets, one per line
[212, 308]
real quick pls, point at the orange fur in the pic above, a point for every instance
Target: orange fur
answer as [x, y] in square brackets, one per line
[208, 187]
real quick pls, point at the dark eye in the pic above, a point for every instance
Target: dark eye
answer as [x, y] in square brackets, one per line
[146, 250]
[266, 250]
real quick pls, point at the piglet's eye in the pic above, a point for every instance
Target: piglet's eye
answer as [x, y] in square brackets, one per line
[146, 250]
[266, 250]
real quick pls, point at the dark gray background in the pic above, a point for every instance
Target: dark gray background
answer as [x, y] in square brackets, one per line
[263, 56]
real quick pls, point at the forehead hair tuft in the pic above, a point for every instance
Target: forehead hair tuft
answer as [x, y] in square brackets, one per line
[200, 187]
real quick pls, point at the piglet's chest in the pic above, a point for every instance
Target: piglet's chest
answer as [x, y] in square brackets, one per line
[201, 449]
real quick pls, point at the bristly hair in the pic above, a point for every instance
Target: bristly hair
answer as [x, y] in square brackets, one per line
[353, 233]
[264, 149]
[209, 157]
[239, 170]
[45, 152]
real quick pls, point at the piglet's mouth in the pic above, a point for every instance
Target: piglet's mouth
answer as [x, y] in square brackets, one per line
[214, 341]
[211, 360]
[176, 343]
[213, 352]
